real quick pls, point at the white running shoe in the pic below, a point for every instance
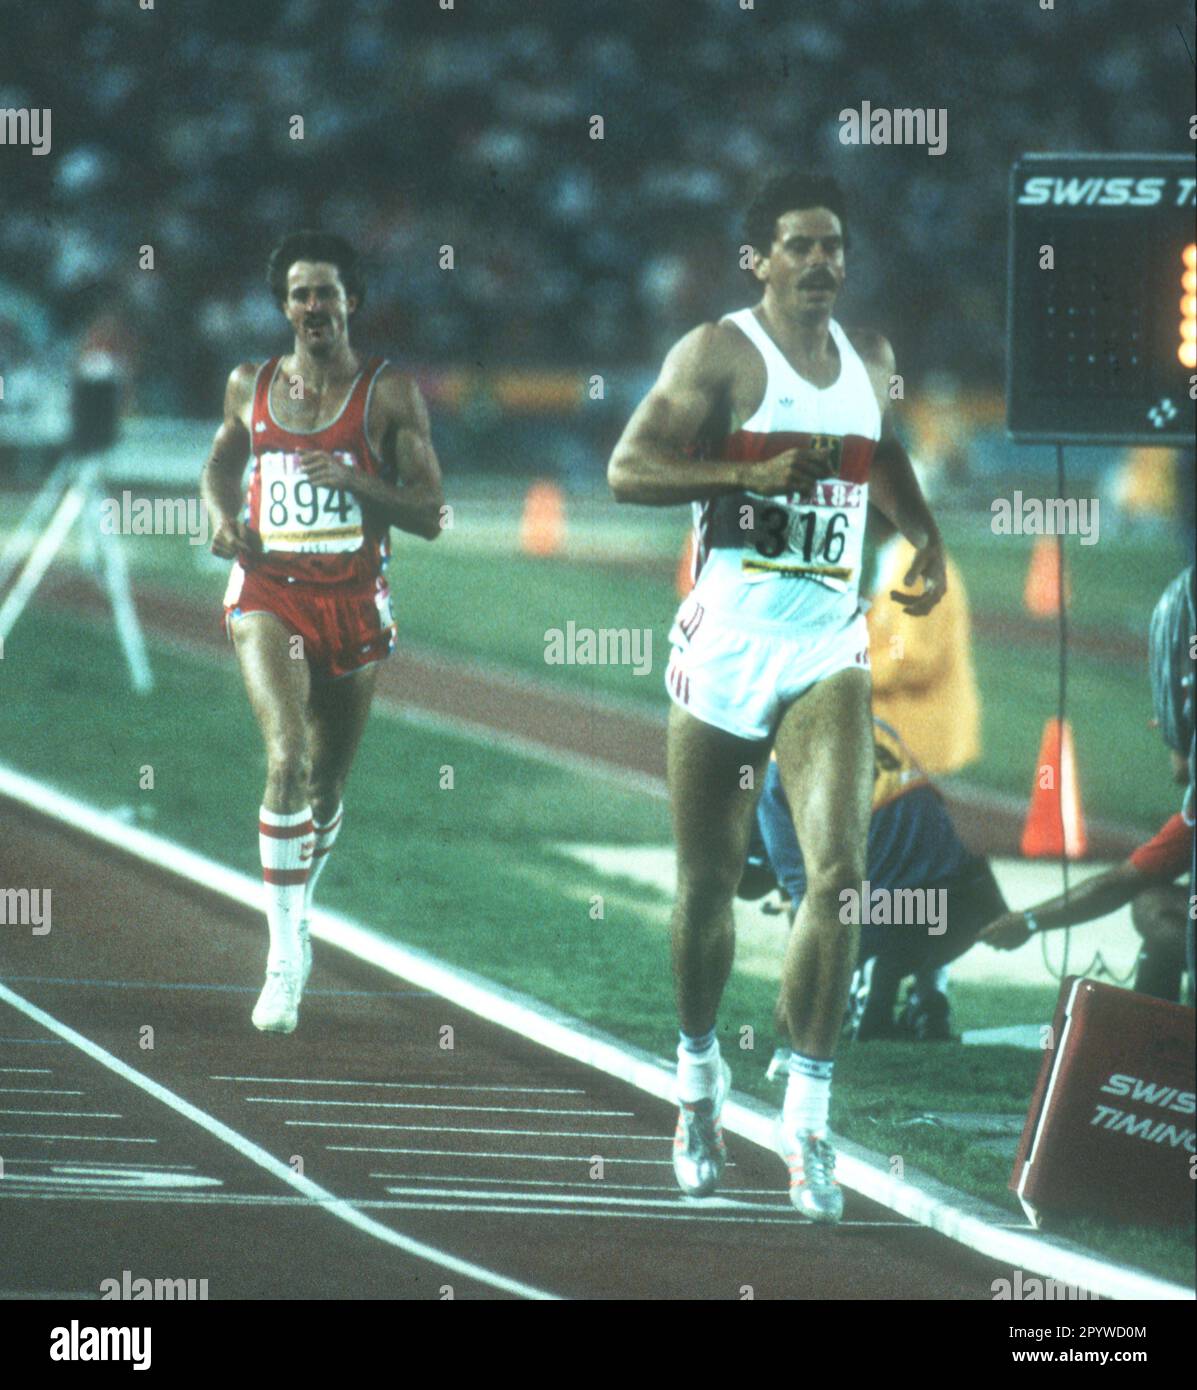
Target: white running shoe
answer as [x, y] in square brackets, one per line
[699, 1153]
[277, 1009]
[305, 947]
[811, 1161]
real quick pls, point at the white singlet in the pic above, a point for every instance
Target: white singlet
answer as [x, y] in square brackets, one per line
[775, 606]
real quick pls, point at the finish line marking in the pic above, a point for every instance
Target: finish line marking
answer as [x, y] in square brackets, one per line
[976, 1224]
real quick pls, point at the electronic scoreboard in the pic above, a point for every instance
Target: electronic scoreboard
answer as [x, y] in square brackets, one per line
[1102, 334]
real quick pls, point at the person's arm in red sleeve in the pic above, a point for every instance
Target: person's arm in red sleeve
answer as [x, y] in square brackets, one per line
[1158, 861]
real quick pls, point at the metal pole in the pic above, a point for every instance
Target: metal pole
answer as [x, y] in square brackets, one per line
[36, 515]
[41, 558]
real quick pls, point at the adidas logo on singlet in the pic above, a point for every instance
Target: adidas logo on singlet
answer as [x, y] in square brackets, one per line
[260, 427]
[786, 400]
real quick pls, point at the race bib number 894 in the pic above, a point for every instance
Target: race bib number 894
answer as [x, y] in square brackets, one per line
[303, 517]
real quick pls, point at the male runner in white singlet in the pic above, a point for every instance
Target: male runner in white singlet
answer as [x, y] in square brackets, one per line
[772, 423]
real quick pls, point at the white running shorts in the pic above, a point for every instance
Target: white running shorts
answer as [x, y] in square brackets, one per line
[741, 679]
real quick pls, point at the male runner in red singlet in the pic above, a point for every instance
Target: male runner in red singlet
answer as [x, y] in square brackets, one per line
[771, 422]
[341, 453]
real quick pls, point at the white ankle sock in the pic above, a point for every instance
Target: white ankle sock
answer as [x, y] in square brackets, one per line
[697, 1073]
[808, 1094]
[285, 843]
[326, 837]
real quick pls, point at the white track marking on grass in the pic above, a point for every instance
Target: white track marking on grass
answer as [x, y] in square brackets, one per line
[27, 1071]
[410, 1085]
[653, 867]
[257, 1155]
[970, 1221]
[411, 1105]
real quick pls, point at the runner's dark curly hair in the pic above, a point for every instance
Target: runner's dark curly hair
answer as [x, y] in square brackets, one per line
[790, 191]
[315, 246]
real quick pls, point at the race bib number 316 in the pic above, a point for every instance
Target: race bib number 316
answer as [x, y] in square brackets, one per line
[819, 539]
[300, 516]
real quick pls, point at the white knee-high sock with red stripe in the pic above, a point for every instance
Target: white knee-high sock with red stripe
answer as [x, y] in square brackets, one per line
[326, 837]
[286, 842]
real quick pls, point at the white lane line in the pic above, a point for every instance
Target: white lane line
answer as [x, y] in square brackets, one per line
[227, 1199]
[257, 1155]
[525, 1158]
[68, 1165]
[409, 1085]
[27, 1071]
[82, 1138]
[412, 1105]
[157, 1196]
[101, 1180]
[663, 1189]
[558, 1212]
[65, 1114]
[673, 1203]
[34, 1091]
[464, 1129]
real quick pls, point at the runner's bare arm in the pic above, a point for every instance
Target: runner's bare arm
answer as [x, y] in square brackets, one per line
[399, 422]
[220, 481]
[894, 490]
[650, 464]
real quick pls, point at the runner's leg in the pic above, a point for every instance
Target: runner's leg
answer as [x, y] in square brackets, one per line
[336, 716]
[278, 686]
[825, 757]
[713, 782]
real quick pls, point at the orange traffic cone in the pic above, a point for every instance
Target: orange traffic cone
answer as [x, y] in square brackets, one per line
[1042, 593]
[1055, 823]
[685, 566]
[542, 529]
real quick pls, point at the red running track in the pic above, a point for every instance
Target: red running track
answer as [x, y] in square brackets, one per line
[546, 1176]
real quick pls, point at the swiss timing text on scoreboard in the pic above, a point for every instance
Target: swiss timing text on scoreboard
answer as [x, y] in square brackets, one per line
[1101, 333]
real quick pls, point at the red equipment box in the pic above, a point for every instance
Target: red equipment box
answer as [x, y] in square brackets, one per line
[1110, 1131]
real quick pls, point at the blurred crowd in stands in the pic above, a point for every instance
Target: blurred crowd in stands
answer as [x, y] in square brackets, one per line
[470, 127]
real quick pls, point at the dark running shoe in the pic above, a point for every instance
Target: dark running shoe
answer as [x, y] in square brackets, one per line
[757, 880]
[927, 1018]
